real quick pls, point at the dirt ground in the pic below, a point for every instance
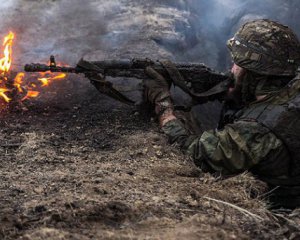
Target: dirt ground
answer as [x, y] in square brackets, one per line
[81, 166]
[77, 165]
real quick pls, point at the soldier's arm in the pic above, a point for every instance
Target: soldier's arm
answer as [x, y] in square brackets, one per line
[238, 147]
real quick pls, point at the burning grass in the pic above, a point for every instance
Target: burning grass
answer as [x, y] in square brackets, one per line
[18, 86]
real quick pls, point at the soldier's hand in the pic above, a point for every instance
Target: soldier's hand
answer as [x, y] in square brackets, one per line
[157, 91]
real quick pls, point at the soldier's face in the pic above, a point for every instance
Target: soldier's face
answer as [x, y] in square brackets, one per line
[238, 74]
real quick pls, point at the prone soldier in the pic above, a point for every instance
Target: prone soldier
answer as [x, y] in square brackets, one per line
[259, 129]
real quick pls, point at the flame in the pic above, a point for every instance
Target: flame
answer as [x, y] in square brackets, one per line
[18, 81]
[46, 80]
[31, 94]
[5, 62]
[29, 89]
[3, 95]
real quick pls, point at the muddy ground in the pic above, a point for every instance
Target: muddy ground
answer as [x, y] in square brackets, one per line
[81, 166]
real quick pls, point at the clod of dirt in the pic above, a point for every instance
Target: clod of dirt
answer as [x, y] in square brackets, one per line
[111, 213]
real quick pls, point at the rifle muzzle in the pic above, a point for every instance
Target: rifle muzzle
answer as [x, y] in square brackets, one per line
[36, 68]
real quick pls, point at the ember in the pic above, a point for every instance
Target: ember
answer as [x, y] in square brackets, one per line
[47, 80]
[12, 84]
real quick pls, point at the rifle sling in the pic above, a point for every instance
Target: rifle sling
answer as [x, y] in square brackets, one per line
[179, 81]
[94, 74]
[107, 88]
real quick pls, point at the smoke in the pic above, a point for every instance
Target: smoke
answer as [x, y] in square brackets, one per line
[50, 27]
[211, 23]
[182, 30]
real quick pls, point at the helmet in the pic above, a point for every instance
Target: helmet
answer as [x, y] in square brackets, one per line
[266, 47]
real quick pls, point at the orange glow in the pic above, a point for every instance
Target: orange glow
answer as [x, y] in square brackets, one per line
[29, 89]
[46, 80]
[18, 81]
[5, 62]
[3, 95]
[31, 94]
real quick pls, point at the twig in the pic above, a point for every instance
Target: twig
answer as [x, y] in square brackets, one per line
[268, 193]
[11, 145]
[242, 210]
[289, 222]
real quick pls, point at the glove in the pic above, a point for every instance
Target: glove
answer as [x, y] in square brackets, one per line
[157, 91]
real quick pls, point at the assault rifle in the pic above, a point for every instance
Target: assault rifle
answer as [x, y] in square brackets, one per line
[192, 78]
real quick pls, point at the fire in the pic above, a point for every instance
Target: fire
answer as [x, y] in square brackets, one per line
[3, 94]
[46, 80]
[18, 81]
[31, 94]
[18, 84]
[5, 62]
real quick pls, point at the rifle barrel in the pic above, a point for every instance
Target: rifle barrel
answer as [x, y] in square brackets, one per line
[36, 67]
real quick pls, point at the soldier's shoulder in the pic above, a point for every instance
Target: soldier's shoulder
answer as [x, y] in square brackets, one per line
[289, 92]
[295, 83]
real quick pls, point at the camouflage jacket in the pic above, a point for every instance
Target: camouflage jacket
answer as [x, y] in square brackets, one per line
[248, 143]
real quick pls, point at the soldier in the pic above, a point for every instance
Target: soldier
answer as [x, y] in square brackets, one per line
[259, 129]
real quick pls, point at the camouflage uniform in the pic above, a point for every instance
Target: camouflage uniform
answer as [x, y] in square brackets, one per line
[263, 136]
[238, 147]
[251, 143]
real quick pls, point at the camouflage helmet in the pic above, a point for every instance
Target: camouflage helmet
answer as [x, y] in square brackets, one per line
[266, 47]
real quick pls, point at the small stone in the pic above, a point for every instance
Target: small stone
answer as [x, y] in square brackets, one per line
[38, 190]
[159, 153]
[156, 199]
[131, 154]
[145, 150]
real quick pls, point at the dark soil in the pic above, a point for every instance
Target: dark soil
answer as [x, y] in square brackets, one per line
[81, 166]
